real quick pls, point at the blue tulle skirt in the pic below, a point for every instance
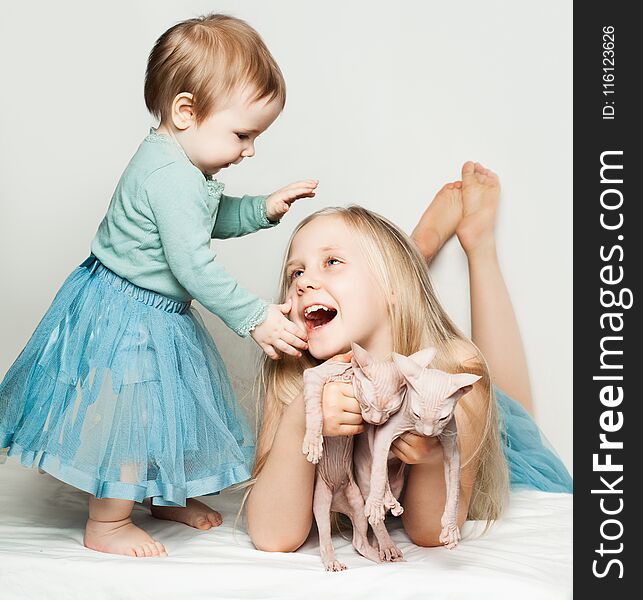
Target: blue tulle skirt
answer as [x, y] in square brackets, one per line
[121, 392]
[532, 461]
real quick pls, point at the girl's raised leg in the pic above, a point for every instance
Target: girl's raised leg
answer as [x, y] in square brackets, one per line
[494, 328]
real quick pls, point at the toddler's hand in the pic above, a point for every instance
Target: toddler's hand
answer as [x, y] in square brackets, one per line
[278, 203]
[340, 410]
[277, 333]
[414, 449]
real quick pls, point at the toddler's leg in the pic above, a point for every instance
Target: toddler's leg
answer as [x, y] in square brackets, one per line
[494, 328]
[195, 514]
[110, 529]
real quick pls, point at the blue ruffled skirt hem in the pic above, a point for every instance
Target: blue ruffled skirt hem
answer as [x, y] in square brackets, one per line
[121, 392]
[532, 461]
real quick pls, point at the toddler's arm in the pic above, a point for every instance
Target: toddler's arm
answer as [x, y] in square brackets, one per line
[178, 200]
[240, 216]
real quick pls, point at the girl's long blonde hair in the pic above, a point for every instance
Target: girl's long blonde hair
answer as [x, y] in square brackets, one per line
[417, 321]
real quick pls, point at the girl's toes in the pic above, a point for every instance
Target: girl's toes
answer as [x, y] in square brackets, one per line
[160, 549]
[131, 552]
[140, 551]
[215, 519]
[468, 169]
[202, 523]
[147, 550]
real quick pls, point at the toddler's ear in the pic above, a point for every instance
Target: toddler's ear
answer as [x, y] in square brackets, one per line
[183, 111]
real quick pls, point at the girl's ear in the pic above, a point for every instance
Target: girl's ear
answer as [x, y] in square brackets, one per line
[361, 356]
[183, 111]
[424, 357]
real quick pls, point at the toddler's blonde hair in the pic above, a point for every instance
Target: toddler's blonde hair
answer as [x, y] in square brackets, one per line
[417, 321]
[209, 57]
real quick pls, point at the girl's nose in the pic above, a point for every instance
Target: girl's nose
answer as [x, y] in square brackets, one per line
[248, 151]
[306, 282]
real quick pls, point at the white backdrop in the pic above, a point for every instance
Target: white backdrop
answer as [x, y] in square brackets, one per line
[385, 103]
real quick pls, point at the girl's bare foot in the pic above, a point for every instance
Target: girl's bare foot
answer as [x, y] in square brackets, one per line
[195, 514]
[439, 221]
[121, 537]
[480, 194]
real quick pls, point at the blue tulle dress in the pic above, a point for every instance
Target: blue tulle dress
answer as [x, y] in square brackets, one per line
[532, 461]
[121, 392]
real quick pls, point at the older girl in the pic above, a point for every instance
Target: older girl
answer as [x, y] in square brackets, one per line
[375, 290]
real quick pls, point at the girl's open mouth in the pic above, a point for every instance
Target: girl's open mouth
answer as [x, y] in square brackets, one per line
[318, 315]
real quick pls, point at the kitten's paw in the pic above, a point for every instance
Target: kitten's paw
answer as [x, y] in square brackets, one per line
[313, 447]
[450, 535]
[391, 503]
[391, 553]
[335, 565]
[374, 510]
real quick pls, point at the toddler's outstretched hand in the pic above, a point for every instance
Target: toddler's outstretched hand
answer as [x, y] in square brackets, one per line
[278, 203]
[277, 333]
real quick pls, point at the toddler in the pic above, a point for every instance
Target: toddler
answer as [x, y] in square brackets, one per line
[121, 391]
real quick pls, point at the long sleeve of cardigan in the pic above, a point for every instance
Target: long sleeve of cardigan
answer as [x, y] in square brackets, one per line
[240, 216]
[179, 202]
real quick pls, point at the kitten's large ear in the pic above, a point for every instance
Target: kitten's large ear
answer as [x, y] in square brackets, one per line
[361, 356]
[461, 383]
[409, 368]
[424, 357]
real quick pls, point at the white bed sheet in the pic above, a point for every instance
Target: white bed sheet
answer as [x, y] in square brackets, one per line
[528, 554]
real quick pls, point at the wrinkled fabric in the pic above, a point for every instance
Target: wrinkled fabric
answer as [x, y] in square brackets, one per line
[532, 461]
[121, 392]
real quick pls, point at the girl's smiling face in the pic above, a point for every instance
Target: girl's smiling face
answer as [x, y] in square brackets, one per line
[335, 296]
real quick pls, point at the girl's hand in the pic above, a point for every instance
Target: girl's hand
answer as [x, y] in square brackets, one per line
[415, 449]
[278, 334]
[340, 410]
[278, 203]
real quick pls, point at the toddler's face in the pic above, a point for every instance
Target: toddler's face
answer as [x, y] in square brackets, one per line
[227, 136]
[335, 296]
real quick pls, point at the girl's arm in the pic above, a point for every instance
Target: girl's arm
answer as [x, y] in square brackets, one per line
[279, 507]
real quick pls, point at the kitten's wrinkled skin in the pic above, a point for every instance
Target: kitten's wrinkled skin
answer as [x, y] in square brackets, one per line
[378, 387]
[427, 410]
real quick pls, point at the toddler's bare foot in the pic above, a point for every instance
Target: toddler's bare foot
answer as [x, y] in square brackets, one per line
[439, 221]
[480, 194]
[195, 514]
[121, 537]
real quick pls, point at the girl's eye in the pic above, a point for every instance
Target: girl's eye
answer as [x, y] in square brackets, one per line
[294, 275]
[242, 136]
[331, 260]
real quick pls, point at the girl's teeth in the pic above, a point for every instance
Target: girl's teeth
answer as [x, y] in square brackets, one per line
[315, 307]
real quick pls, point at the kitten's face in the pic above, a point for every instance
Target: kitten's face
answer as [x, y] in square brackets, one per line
[432, 394]
[380, 391]
[433, 401]
[379, 386]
